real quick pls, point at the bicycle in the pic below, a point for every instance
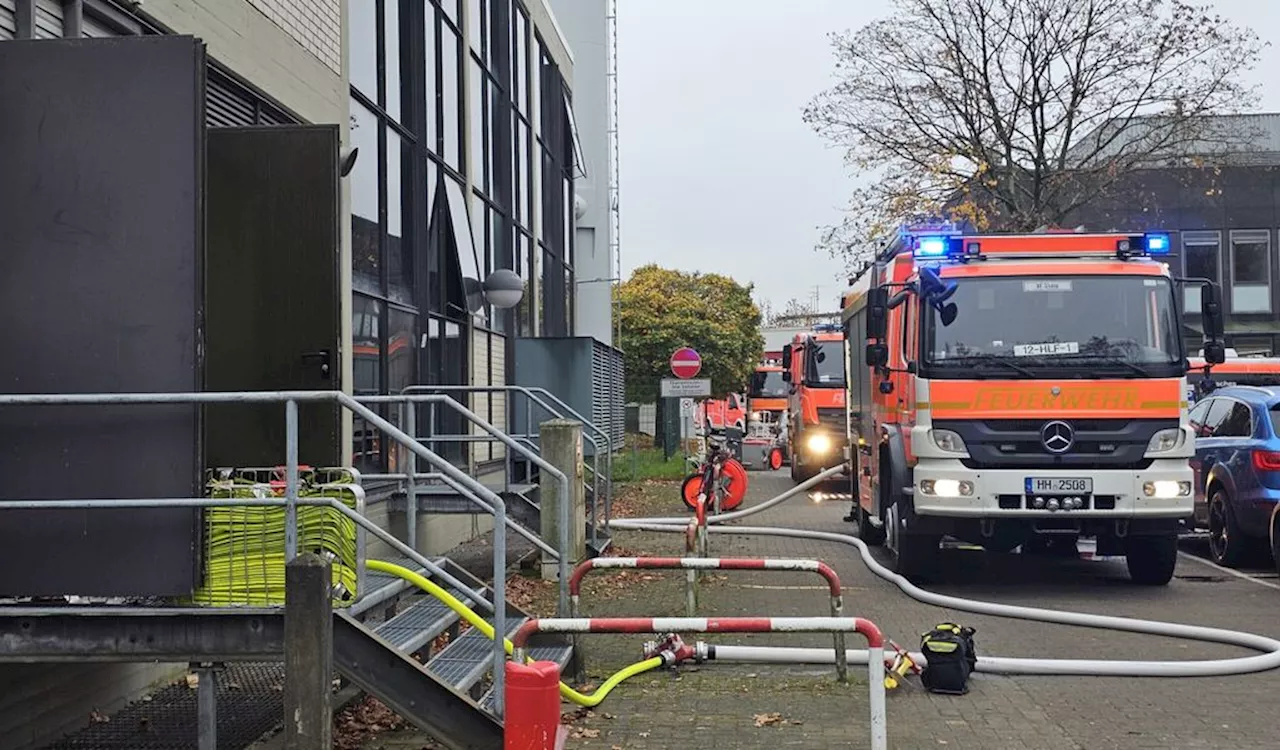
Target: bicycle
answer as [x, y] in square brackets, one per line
[719, 482]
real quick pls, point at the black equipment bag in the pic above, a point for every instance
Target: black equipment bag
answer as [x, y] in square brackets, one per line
[950, 652]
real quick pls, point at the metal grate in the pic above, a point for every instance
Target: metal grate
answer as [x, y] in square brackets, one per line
[250, 704]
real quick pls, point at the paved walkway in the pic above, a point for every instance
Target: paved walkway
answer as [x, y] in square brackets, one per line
[718, 704]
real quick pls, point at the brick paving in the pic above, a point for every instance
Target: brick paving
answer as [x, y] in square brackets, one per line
[714, 705]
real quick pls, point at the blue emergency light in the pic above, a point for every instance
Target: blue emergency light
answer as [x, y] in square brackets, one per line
[931, 247]
[1144, 245]
[1158, 244]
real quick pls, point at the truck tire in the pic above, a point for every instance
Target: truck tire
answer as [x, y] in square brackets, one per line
[1151, 558]
[871, 535]
[913, 555]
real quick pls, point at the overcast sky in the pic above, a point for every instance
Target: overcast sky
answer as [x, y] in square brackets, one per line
[718, 172]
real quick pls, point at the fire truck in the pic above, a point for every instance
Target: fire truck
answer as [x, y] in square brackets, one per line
[1022, 391]
[766, 397]
[813, 366]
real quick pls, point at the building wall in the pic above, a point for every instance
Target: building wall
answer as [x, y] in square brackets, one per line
[1224, 221]
[586, 25]
[459, 106]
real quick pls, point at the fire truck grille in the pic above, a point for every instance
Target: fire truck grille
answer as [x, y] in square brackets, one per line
[1016, 444]
[832, 418]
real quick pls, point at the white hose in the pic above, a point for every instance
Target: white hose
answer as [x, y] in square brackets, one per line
[1269, 658]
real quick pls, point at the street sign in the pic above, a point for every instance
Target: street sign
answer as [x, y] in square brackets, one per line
[686, 407]
[695, 388]
[686, 363]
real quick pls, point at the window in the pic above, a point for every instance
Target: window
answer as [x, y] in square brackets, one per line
[432, 129]
[451, 98]
[391, 55]
[1237, 421]
[477, 28]
[481, 135]
[464, 239]
[363, 43]
[402, 346]
[365, 209]
[399, 251]
[1200, 254]
[366, 345]
[1219, 408]
[1198, 418]
[1251, 271]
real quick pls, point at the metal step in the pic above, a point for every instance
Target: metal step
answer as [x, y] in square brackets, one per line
[382, 587]
[558, 654]
[409, 689]
[466, 660]
[420, 623]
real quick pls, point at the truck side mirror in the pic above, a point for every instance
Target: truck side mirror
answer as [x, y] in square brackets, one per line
[877, 355]
[786, 362]
[877, 312]
[1215, 351]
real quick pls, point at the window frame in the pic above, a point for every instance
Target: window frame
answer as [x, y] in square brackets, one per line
[1251, 237]
[1199, 239]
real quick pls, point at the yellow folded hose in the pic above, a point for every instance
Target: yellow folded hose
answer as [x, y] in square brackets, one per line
[477, 621]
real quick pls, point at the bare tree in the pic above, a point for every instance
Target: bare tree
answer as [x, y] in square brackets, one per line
[1011, 114]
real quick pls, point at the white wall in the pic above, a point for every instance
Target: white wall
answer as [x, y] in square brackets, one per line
[585, 25]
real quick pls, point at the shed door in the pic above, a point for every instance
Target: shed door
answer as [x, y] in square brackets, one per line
[101, 142]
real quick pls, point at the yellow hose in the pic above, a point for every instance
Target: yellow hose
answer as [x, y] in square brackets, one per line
[477, 621]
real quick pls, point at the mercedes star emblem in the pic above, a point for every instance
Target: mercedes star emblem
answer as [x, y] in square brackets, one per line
[1056, 391]
[1057, 437]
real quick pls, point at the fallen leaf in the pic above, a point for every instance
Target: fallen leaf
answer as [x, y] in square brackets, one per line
[616, 747]
[588, 733]
[193, 680]
[644, 734]
[97, 717]
[769, 719]
[608, 715]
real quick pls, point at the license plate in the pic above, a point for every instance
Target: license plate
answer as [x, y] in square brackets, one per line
[1059, 485]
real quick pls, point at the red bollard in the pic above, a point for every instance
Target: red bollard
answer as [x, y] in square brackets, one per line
[532, 707]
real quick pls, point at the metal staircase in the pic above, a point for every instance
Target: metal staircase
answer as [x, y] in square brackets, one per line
[523, 506]
[394, 655]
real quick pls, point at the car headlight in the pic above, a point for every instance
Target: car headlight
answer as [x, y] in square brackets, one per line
[948, 441]
[1166, 440]
[819, 443]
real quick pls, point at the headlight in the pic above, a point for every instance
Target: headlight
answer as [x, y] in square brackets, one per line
[819, 443]
[948, 441]
[1166, 489]
[1166, 440]
[946, 487]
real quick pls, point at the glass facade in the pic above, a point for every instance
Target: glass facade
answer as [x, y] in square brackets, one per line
[466, 165]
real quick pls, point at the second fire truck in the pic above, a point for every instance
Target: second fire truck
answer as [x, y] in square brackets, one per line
[1022, 391]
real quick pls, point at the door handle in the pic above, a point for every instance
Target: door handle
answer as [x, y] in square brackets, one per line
[325, 358]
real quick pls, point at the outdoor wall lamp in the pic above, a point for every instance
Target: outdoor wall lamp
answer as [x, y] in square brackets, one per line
[348, 161]
[503, 289]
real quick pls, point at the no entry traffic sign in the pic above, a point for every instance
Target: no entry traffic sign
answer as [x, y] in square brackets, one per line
[685, 363]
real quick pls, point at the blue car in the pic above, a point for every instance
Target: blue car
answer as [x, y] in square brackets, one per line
[1237, 469]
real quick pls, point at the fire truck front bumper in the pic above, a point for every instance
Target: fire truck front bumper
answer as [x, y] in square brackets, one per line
[945, 487]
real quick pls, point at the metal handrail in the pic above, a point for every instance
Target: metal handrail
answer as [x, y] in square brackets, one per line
[532, 396]
[475, 419]
[291, 399]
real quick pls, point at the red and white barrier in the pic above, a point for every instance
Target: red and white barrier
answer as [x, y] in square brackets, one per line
[875, 647]
[715, 563]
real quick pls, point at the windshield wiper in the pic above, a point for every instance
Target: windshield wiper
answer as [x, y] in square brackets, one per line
[1108, 359]
[989, 359]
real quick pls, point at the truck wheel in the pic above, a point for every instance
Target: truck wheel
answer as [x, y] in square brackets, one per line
[871, 535]
[1151, 559]
[914, 555]
[1227, 543]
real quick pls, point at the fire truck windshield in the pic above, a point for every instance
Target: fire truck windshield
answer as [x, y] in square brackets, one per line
[825, 368]
[1025, 325]
[767, 384]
